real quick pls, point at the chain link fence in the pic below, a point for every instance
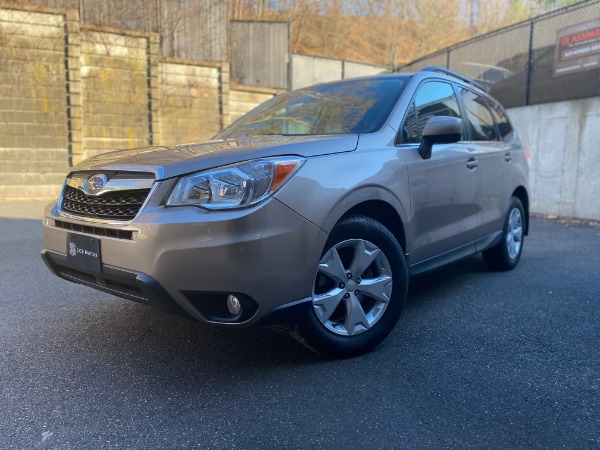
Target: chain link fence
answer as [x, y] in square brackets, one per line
[551, 58]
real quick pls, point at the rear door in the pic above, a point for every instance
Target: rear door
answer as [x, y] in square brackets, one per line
[443, 189]
[494, 158]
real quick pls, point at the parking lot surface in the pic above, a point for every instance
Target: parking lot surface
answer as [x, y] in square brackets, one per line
[479, 359]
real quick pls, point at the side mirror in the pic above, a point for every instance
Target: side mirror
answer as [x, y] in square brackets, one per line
[440, 130]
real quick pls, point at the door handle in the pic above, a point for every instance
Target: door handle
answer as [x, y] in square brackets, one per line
[507, 157]
[472, 164]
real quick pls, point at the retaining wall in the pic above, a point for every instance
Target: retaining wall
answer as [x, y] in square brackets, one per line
[33, 103]
[564, 141]
[245, 98]
[189, 102]
[114, 85]
[71, 91]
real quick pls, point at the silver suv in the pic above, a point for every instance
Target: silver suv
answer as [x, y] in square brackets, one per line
[311, 212]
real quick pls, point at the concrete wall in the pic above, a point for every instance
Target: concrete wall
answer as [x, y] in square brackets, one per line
[564, 141]
[115, 91]
[244, 98]
[189, 102]
[33, 103]
[71, 91]
[354, 70]
[308, 70]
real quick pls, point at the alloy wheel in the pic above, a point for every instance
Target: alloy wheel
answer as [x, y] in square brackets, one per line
[514, 233]
[353, 287]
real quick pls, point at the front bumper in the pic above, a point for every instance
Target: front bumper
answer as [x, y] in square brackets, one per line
[183, 260]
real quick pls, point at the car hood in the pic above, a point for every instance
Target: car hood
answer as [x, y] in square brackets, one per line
[168, 162]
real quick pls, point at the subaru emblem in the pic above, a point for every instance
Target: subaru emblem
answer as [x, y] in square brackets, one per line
[95, 183]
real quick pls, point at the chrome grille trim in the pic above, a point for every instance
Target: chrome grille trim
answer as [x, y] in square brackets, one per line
[74, 215]
[119, 182]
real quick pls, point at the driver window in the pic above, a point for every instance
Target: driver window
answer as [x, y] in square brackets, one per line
[434, 98]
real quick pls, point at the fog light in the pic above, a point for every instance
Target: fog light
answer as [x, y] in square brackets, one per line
[233, 305]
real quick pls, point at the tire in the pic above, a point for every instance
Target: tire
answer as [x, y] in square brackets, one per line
[352, 313]
[506, 254]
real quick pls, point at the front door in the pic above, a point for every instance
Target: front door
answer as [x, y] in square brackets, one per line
[444, 190]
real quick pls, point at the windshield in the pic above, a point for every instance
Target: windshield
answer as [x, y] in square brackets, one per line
[355, 106]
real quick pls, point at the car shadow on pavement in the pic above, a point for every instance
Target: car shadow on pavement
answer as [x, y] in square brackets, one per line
[436, 284]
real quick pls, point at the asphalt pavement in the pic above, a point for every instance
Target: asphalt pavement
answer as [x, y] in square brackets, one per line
[479, 359]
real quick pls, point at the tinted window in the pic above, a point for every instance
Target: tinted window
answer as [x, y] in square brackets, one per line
[506, 131]
[433, 99]
[357, 106]
[479, 117]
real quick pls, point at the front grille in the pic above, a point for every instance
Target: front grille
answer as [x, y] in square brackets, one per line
[119, 205]
[98, 231]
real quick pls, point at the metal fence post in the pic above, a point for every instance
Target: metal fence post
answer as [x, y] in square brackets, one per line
[529, 63]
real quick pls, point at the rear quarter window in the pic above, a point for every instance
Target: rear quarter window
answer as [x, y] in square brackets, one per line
[504, 127]
[479, 117]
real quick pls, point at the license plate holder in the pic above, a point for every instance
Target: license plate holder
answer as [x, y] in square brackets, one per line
[83, 252]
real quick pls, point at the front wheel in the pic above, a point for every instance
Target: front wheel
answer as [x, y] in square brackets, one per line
[506, 254]
[359, 290]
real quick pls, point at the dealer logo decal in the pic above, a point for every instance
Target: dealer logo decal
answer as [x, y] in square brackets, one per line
[72, 249]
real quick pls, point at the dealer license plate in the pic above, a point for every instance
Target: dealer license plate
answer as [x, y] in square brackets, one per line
[83, 252]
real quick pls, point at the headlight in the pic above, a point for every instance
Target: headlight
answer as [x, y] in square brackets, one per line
[234, 186]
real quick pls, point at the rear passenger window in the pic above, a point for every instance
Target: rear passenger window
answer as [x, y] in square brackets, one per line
[506, 131]
[433, 98]
[479, 117]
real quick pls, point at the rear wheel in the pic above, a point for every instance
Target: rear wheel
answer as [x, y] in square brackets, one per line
[506, 254]
[359, 290]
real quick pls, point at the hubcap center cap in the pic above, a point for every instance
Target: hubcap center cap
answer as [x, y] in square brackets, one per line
[350, 285]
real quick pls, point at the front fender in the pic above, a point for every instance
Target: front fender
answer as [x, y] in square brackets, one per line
[328, 187]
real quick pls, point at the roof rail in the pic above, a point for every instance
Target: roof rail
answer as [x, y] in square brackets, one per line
[451, 73]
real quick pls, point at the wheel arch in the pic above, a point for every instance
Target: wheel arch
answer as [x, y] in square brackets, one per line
[384, 213]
